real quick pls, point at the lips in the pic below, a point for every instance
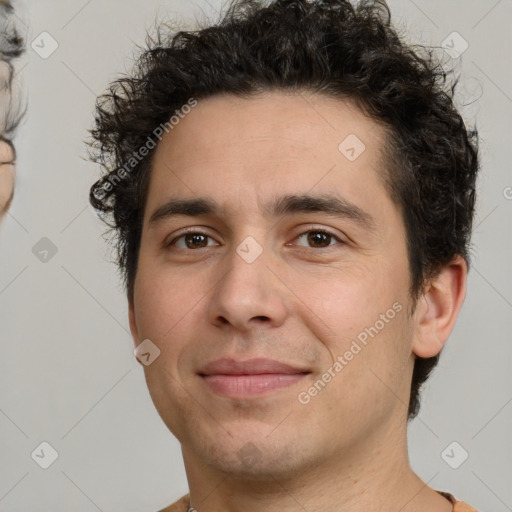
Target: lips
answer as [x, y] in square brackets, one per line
[227, 366]
[251, 378]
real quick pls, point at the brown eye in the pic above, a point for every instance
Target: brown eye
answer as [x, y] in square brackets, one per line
[192, 240]
[319, 238]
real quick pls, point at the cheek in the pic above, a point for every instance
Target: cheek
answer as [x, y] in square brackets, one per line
[165, 311]
[348, 300]
[164, 301]
[361, 317]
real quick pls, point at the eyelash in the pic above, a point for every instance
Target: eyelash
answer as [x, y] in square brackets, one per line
[195, 231]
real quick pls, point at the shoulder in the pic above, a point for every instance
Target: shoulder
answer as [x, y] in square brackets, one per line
[461, 506]
[458, 506]
[179, 506]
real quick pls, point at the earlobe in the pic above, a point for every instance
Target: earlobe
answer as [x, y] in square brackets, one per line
[438, 308]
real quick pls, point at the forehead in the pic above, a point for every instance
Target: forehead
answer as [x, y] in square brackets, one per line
[309, 123]
[240, 150]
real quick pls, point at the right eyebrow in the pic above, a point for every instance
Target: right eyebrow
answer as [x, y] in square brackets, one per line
[190, 207]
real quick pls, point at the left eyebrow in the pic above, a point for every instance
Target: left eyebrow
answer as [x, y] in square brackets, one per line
[334, 205]
[329, 204]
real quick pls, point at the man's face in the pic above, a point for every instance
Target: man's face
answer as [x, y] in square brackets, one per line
[255, 285]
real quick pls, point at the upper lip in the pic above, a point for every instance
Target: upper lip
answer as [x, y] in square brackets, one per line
[229, 366]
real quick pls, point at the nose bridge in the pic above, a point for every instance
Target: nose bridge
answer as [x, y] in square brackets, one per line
[247, 274]
[248, 288]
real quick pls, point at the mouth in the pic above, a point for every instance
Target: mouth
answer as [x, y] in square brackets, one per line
[254, 377]
[244, 386]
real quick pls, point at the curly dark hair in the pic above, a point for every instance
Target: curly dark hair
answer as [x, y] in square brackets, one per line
[329, 47]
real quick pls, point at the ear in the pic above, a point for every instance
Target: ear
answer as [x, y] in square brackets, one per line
[438, 308]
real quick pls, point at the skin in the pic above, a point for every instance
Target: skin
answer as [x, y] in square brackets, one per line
[298, 303]
[7, 173]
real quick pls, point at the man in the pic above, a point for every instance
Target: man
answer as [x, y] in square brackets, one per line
[11, 47]
[293, 193]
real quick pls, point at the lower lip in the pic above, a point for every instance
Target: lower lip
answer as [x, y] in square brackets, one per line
[239, 386]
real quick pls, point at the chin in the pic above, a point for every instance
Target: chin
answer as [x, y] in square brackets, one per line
[253, 458]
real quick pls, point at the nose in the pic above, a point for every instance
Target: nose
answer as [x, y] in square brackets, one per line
[250, 292]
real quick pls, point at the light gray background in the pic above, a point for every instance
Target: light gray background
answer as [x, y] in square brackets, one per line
[67, 371]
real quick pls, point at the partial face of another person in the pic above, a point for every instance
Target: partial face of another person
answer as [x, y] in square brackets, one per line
[251, 279]
[6, 174]
[11, 46]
